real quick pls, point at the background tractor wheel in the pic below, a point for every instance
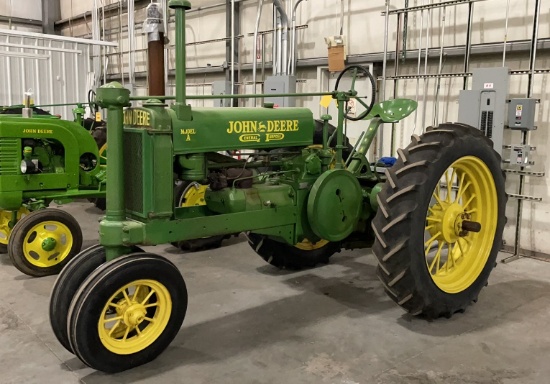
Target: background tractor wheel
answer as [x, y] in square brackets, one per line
[301, 256]
[440, 221]
[5, 227]
[44, 241]
[127, 312]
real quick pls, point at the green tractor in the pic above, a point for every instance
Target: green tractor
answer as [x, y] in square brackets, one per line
[434, 220]
[45, 159]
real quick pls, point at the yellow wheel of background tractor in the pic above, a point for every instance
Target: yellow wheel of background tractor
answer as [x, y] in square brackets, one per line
[43, 241]
[6, 226]
[440, 221]
[127, 312]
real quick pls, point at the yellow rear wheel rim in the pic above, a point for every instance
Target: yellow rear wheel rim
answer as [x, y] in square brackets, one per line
[193, 195]
[47, 244]
[135, 316]
[307, 245]
[466, 192]
[5, 226]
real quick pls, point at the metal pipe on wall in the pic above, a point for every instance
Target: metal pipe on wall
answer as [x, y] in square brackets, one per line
[283, 31]
[468, 43]
[425, 93]
[255, 60]
[525, 134]
[232, 47]
[384, 71]
[131, 47]
[293, 56]
[506, 33]
[440, 69]
[274, 42]
[420, 35]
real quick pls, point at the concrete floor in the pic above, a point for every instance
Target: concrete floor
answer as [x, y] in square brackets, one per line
[251, 323]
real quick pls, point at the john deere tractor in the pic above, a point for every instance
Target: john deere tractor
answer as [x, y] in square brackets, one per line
[434, 219]
[45, 159]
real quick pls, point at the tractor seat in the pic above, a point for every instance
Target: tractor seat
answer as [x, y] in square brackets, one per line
[392, 111]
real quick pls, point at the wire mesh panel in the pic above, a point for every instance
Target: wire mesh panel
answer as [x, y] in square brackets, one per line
[56, 69]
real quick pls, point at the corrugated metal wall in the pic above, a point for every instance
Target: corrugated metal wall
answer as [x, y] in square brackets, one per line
[56, 69]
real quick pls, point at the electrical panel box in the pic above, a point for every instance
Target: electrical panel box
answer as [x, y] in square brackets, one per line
[221, 87]
[277, 85]
[520, 155]
[521, 114]
[484, 106]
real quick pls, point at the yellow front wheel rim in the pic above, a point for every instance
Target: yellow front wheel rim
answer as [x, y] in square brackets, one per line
[134, 317]
[465, 194]
[47, 244]
[6, 225]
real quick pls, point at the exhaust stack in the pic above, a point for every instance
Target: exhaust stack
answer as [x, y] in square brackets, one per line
[183, 111]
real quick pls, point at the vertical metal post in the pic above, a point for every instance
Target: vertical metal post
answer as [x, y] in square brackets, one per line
[131, 47]
[440, 69]
[64, 76]
[468, 43]
[396, 73]
[425, 93]
[232, 47]
[420, 35]
[506, 33]
[76, 73]
[384, 68]
[8, 72]
[255, 61]
[525, 134]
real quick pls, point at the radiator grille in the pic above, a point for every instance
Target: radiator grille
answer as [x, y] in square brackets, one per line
[133, 154]
[10, 158]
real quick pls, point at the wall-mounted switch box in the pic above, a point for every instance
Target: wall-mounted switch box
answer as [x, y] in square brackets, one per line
[521, 114]
[520, 155]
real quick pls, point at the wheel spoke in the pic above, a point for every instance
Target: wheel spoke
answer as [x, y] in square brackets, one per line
[135, 295]
[432, 239]
[469, 201]
[360, 101]
[471, 211]
[118, 318]
[138, 331]
[437, 198]
[115, 305]
[151, 305]
[148, 297]
[126, 334]
[449, 185]
[429, 226]
[353, 78]
[437, 258]
[126, 297]
[114, 327]
[460, 247]
[433, 219]
[149, 319]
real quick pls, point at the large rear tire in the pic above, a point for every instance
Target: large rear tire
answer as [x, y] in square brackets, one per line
[440, 221]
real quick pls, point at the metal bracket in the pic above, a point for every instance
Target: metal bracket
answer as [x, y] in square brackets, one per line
[524, 197]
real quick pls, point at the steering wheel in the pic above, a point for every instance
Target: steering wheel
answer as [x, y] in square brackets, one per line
[92, 101]
[355, 71]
